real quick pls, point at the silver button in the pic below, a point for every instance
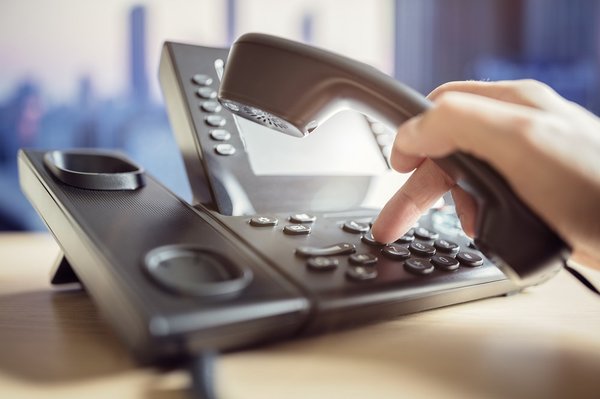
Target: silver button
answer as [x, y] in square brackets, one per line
[215, 121]
[211, 106]
[225, 149]
[202, 80]
[220, 135]
[206, 92]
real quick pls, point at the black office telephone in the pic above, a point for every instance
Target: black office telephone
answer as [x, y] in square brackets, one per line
[276, 242]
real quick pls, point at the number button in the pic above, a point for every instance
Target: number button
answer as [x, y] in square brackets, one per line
[263, 221]
[418, 266]
[469, 259]
[420, 249]
[395, 251]
[446, 263]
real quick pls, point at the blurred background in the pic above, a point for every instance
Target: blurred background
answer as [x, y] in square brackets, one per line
[84, 74]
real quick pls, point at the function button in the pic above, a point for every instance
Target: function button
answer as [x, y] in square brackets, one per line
[220, 135]
[215, 120]
[426, 234]
[361, 273]
[202, 79]
[342, 248]
[355, 227]
[418, 266]
[206, 92]
[362, 259]
[296, 229]
[225, 149]
[446, 246]
[211, 106]
[302, 218]
[370, 240]
[446, 263]
[378, 128]
[420, 249]
[469, 259]
[395, 251]
[406, 238]
[322, 263]
[263, 221]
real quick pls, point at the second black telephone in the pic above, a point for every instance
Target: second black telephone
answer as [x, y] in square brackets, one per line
[276, 241]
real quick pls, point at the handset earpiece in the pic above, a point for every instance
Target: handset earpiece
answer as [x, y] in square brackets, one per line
[293, 88]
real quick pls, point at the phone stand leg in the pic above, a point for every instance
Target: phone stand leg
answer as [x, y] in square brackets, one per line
[62, 272]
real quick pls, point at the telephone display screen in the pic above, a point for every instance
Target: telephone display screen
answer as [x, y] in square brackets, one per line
[344, 145]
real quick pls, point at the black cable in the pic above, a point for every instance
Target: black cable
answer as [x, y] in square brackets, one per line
[202, 370]
[582, 279]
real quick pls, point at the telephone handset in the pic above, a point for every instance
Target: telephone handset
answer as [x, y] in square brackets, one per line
[293, 88]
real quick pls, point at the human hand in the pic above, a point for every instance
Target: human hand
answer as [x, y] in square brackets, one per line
[546, 147]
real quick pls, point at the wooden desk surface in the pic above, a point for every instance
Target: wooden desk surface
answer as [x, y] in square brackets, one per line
[544, 343]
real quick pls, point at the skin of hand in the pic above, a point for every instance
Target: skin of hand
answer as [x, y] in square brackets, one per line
[546, 147]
